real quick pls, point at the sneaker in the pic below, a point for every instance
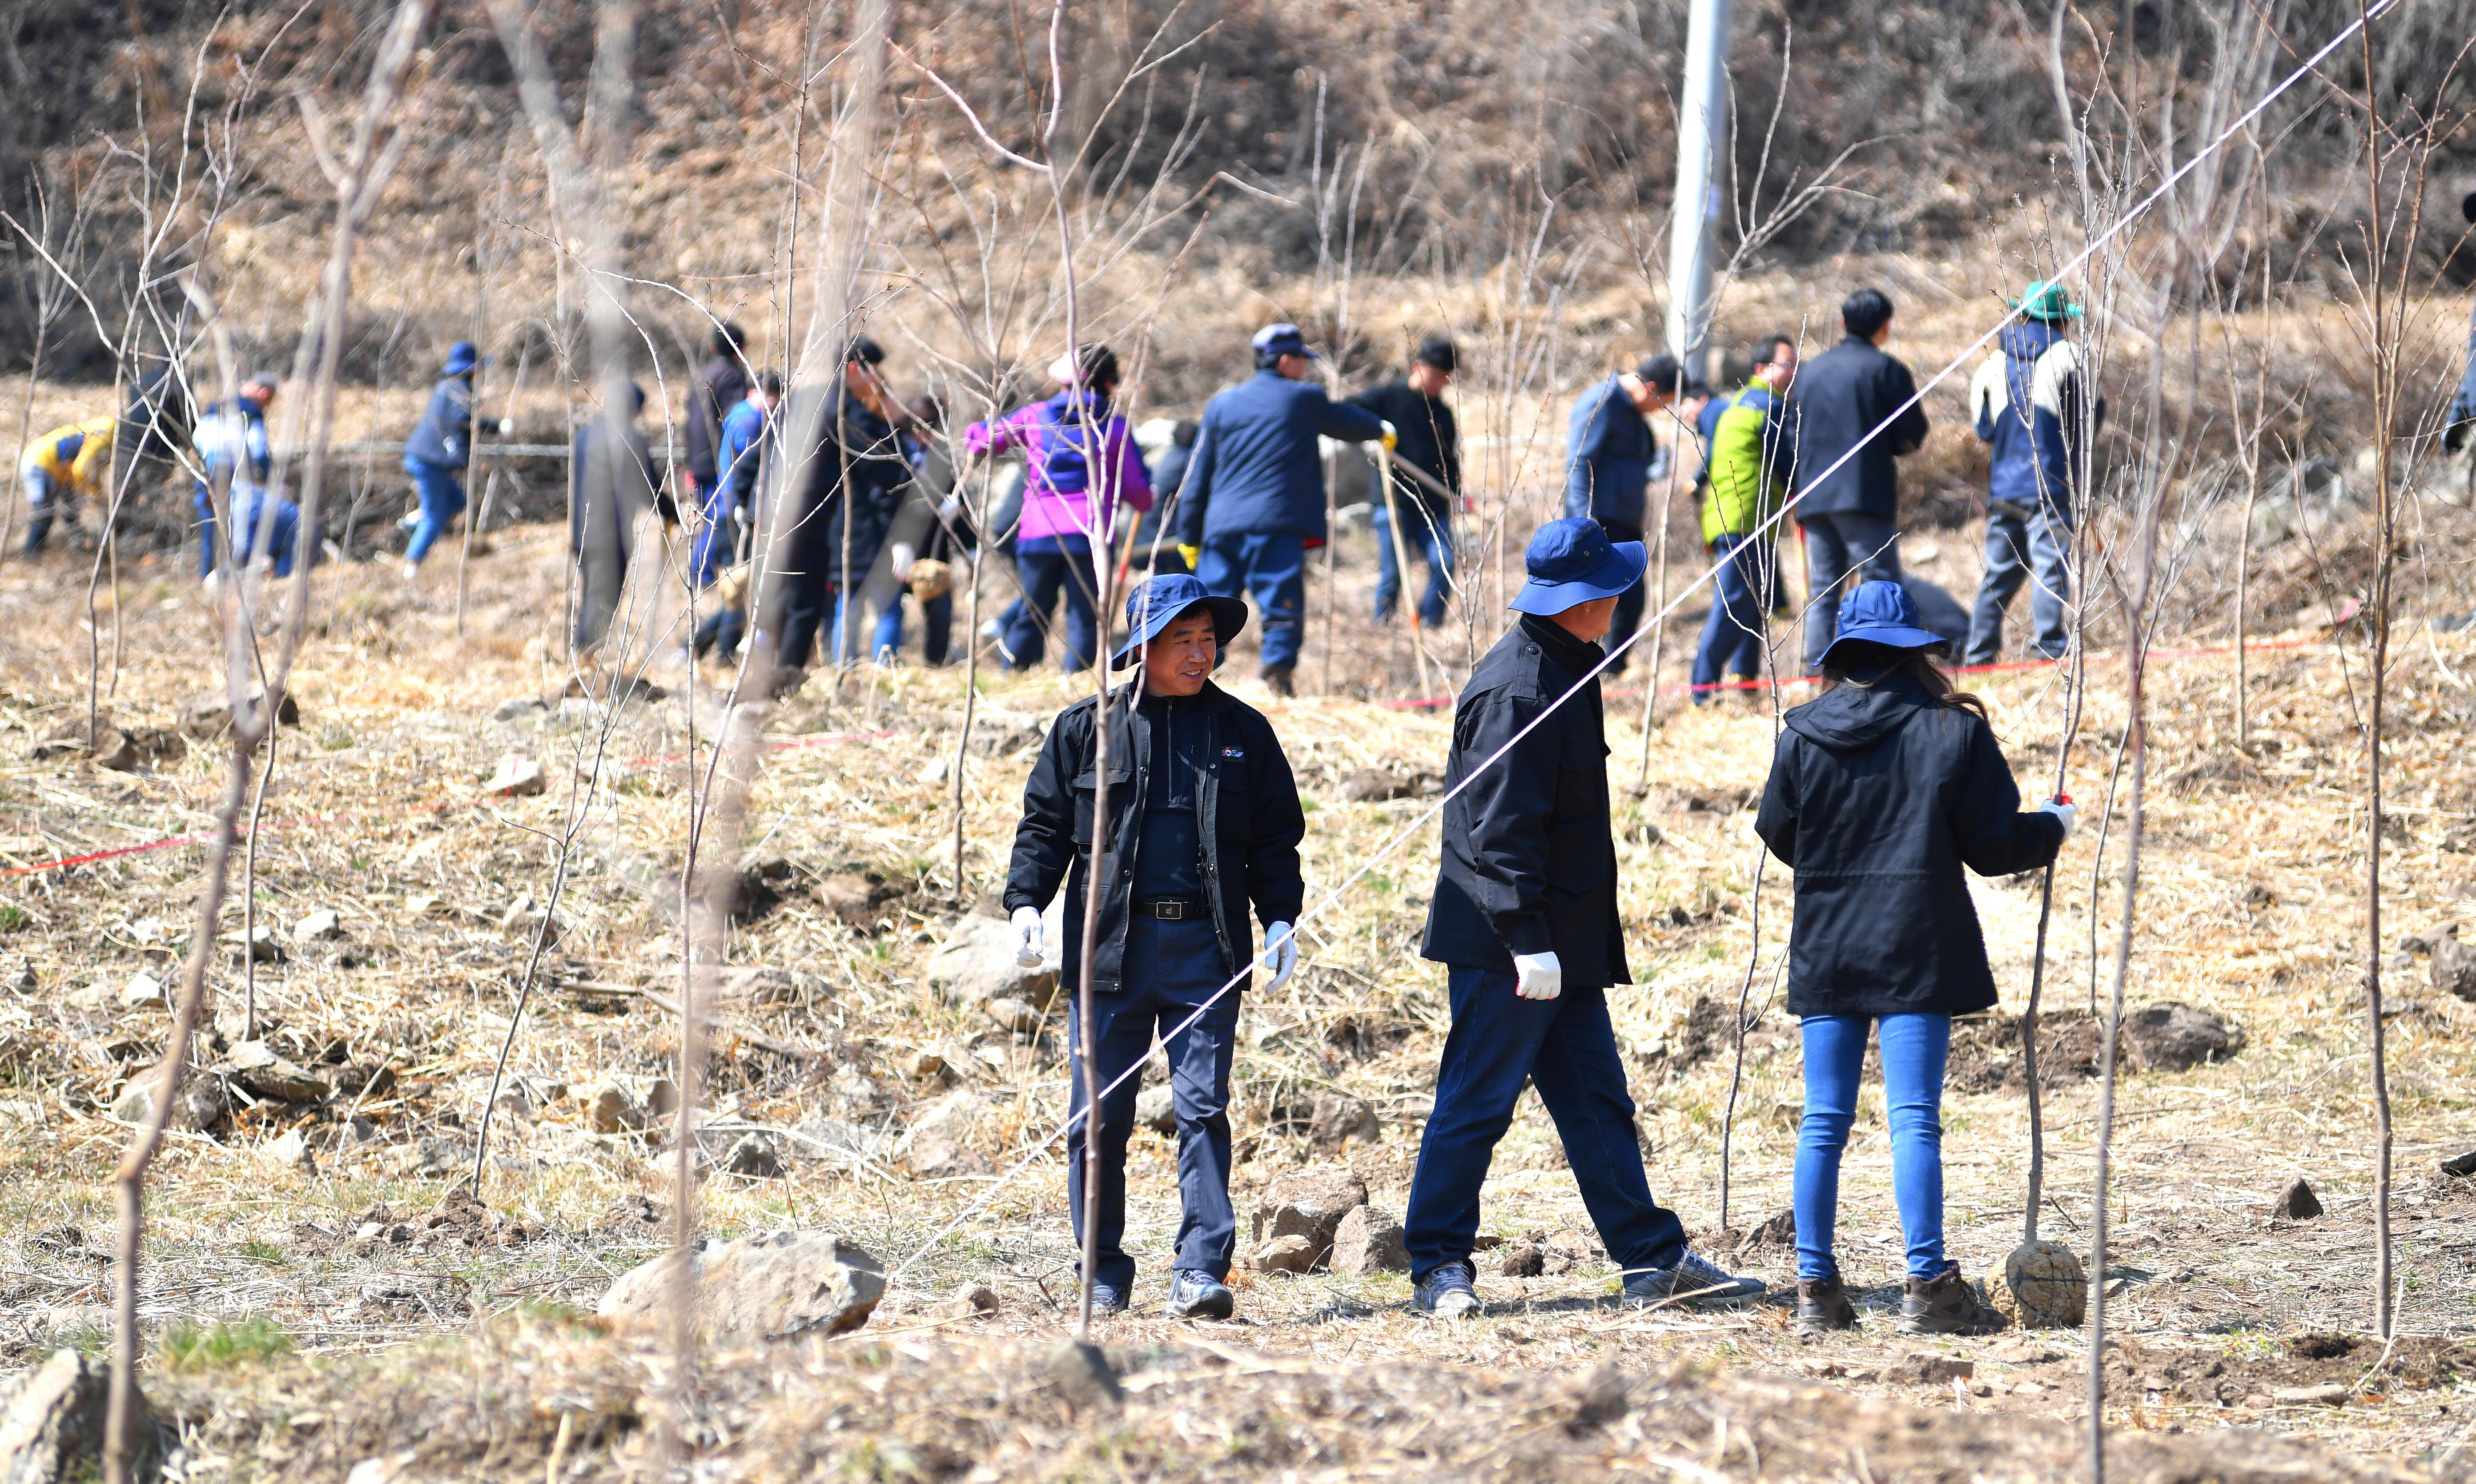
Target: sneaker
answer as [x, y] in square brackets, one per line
[1109, 1298]
[1276, 679]
[1448, 1292]
[1692, 1280]
[1823, 1305]
[1946, 1305]
[1194, 1294]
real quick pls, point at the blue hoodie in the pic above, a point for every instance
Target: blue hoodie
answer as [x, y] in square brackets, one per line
[2029, 402]
[444, 436]
[1256, 469]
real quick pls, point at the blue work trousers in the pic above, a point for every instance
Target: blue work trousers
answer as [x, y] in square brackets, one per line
[442, 500]
[1564, 1048]
[1915, 1047]
[1273, 570]
[1044, 576]
[1172, 968]
[2018, 542]
[1745, 575]
[936, 630]
[283, 530]
[1836, 546]
[1425, 533]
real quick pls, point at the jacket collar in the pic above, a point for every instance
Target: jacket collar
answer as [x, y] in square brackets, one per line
[1577, 654]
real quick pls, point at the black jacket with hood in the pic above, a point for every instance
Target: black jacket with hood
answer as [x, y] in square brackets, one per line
[1879, 795]
[1250, 821]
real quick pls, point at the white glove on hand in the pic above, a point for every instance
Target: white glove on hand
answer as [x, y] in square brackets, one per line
[2061, 809]
[899, 558]
[1026, 937]
[1280, 952]
[1538, 976]
[1391, 437]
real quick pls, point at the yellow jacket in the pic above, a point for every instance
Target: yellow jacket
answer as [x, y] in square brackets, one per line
[78, 456]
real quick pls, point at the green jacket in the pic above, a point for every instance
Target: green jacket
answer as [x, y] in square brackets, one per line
[1748, 459]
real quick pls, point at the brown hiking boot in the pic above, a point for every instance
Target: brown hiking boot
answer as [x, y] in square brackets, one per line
[1277, 680]
[1945, 1306]
[1823, 1305]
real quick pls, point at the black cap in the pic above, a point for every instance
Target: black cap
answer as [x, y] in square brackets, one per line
[862, 348]
[1664, 373]
[1437, 351]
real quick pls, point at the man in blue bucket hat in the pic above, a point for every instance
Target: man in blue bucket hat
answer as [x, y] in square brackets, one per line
[1203, 822]
[1524, 915]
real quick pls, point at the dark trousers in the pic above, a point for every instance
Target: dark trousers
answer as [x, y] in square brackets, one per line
[808, 588]
[1426, 533]
[719, 633]
[1629, 602]
[2015, 541]
[1744, 576]
[1172, 968]
[1836, 546]
[1273, 569]
[1044, 576]
[1566, 1048]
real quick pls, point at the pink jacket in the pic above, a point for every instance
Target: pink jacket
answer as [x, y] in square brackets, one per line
[1056, 496]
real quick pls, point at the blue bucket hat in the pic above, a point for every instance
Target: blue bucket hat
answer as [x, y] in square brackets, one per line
[1158, 602]
[462, 357]
[1881, 614]
[1273, 341]
[1573, 562]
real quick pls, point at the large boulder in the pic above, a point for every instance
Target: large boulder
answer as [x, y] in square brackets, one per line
[761, 1287]
[2171, 1037]
[1309, 1203]
[976, 963]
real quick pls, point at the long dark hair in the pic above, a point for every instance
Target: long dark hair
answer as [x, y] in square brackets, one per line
[1864, 664]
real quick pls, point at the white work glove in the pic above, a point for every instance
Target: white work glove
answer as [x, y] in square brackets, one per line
[2060, 806]
[902, 557]
[1538, 976]
[1280, 952]
[1026, 937]
[504, 427]
[1392, 438]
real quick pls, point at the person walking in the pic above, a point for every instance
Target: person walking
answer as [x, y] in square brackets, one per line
[438, 452]
[1608, 453]
[1524, 918]
[1854, 414]
[1880, 791]
[1428, 440]
[727, 530]
[718, 386]
[2030, 403]
[232, 450]
[61, 467]
[610, 483]
[922, 547]
[1080, 462]
[1203, 822]
[852, 484]
[1749, 457]
[1253, 500]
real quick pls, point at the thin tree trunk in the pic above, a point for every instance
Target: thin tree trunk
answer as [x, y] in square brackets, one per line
[1658, 619]
[2385, 396]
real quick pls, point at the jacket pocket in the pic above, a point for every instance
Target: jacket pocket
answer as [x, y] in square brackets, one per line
[1087, 787]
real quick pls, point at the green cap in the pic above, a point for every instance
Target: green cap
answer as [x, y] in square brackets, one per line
[2046, 300]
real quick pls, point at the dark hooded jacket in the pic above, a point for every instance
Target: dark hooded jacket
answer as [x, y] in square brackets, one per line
[1247, 817]
[1850, 397]
[1879, 795]
[1529, 865]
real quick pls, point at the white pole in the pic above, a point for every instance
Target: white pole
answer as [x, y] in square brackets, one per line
[1701, 128]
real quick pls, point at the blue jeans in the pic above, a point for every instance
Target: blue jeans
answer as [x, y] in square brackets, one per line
[1273, 569]
[936, 624]
[1914, 1050]
[1042, 575]
[2015, 543]
[442, 500]
[1428, 535]
[1744, 577]
[1181, 968]
[1564, 1048]
[1835, 546]
[284, 531]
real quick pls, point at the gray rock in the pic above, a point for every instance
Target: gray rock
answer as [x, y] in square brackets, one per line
[1520, 1260]
[209, 714]
[201, 1104]
[763, 1287]
[1292, 1253]
[944, 1139]
[1020, 1016]
[2172, 1037]
[53, 1423]
[516, 708]
[756, 1155]
[2297, 1203]
[516, 775]
[262, 944]
[1368, 1241]
[315, 925]
[1083, 1377]
[1309, 1203]
[970, 1300]
[262, 1073]
[1376, 785]
[1337, 1122]
[2460, 1165]
[143, 992]
[976, 963]
[1156, 1109]
[609, 1110]
[2453, 966]
[769, 986]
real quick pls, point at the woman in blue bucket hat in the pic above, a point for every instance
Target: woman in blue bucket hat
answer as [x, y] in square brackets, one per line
[1880, 791]
[1203, 823]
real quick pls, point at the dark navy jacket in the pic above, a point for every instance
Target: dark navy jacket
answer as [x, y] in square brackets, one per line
[1608, 447]
[1877, 798]
[1529, 865]
[2027, 401]
[1428, 436]
[1251, 821]
[1256, 469]
[852, 439]
[720, 385]
[1840, 400]
[445, 434]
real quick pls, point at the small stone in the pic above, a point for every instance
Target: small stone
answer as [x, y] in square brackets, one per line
[969, 1302]
[2023, 1352]
[1338, 1122]
[610, 1110]
[2457, 1166]
[849, 897]
[1368, 1241]
[316, 925]
[113, 750]
[1600, 1399]
[764, 1286]
[2171, 1037]
[1376, 785]
[1083, 1377]
[1520, 1260]
[662, 1099]
[927, 1065]
[1156, 1109]
[53, 1423]
[143, 992]
[262, 946]
[1019, 1016]
[758, 1155]
[290, 1147]
[1309, 1203]
[262, 1073]
[1571, 1250]
[2330, 1395]
[518, 708]
[1934, 1370]
[942, 1141]
[2042, 1286]
[2297, 1203]
[516, 775]
[976, 963]
[1282, 1254]
[2027, 1389]
[2453, 965]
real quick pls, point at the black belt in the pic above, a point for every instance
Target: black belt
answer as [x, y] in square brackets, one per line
[1171, 909]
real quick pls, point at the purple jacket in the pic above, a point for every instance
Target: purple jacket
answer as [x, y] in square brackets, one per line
[1056, 489]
